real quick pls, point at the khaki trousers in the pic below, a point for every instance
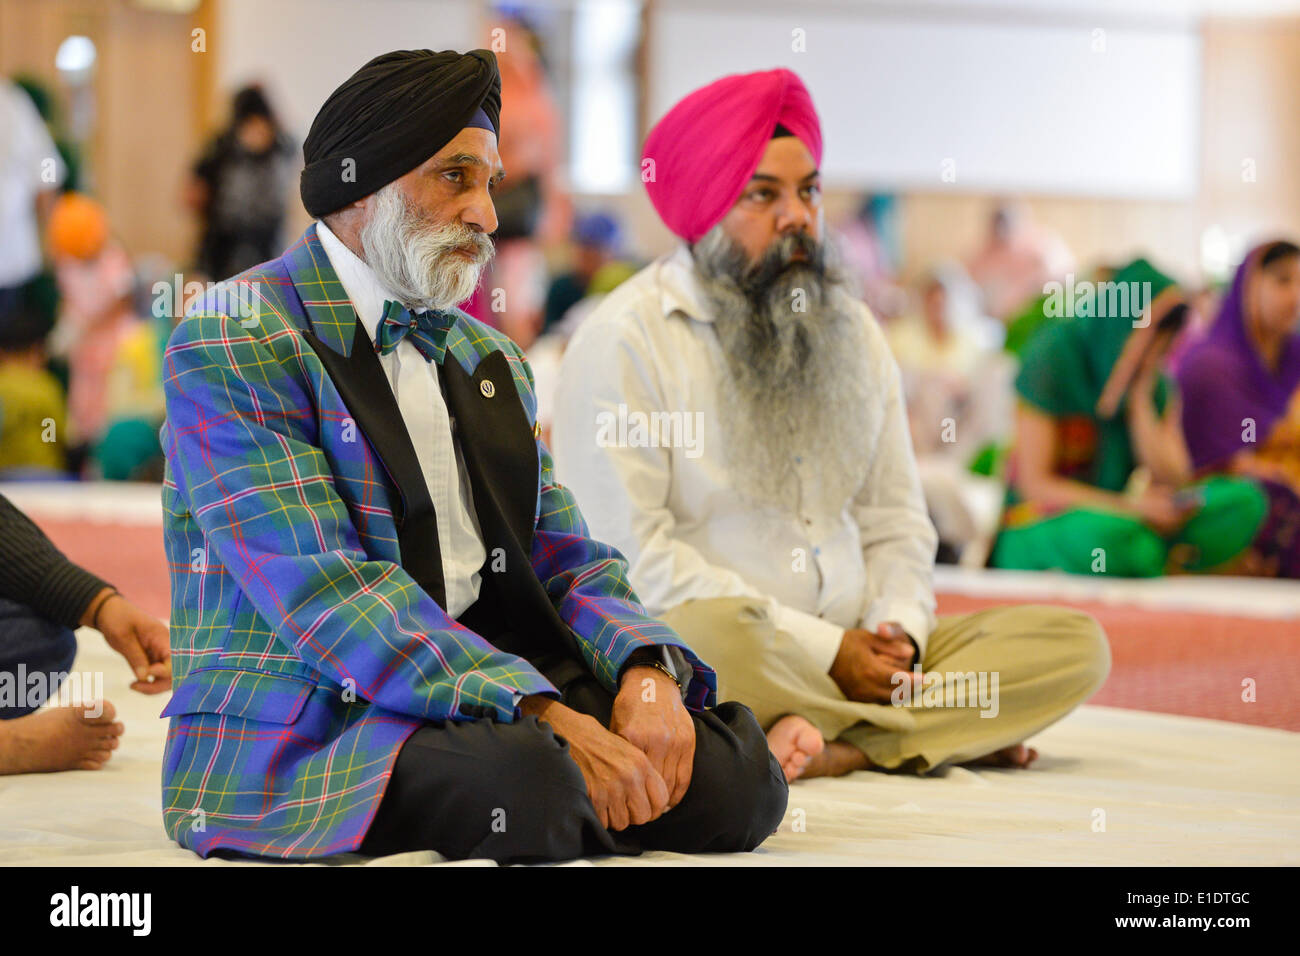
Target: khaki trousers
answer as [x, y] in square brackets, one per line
[1022, 667]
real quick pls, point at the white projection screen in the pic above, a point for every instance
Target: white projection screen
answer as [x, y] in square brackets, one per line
[1070, 108]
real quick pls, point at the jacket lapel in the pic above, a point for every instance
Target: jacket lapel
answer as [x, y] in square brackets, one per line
[326, 305]
[340, 341]
[500, 454]
[498, 445]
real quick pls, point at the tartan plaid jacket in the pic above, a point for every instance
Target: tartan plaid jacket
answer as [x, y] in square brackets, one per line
[308, 641]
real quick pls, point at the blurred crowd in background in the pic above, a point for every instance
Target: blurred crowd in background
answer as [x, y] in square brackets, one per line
[991, 373]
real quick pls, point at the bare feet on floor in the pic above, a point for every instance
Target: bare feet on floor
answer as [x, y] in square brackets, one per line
[836, 760]
[1017, 755]
[58, 738]
[795, 742]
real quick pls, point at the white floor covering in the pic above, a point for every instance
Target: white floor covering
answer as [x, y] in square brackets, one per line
[1173, 790]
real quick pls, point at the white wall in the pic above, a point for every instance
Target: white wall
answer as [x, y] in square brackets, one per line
[1016, 100]
[302, 49]
[1024, 104]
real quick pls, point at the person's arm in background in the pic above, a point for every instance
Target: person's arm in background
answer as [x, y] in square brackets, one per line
[196, 191]
[45, 200]
[1158, 439]
[195, 194]
[1033, 454]
[35, 573]
[624, 490]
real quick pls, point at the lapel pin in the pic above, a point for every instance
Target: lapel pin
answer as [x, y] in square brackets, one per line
[487, 388]
[537, 429]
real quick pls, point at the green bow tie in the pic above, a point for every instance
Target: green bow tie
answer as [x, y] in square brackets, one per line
[428, 330]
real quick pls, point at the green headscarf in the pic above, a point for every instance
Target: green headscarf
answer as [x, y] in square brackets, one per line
[1066, 361]
[1021, 328]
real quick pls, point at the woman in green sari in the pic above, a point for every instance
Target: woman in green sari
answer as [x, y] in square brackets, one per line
[1099, 478]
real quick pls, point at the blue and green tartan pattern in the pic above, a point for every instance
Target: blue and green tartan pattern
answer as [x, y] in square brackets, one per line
[303, 654]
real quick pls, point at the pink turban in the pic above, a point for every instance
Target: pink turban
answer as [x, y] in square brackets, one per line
[708, 146]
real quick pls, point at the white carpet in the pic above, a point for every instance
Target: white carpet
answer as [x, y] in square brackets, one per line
[1174, 790]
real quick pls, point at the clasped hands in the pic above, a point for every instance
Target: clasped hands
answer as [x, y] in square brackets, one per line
[641, 766]
[867, 666]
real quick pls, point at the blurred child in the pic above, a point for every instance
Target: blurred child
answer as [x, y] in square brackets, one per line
[33, 412]
[115, 402]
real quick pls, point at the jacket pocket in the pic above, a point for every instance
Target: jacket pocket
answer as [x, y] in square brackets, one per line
[251, 695]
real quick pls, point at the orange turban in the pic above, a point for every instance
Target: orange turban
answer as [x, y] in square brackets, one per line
[78, 227]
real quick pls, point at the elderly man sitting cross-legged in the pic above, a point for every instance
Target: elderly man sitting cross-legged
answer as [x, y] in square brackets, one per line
[390, 628]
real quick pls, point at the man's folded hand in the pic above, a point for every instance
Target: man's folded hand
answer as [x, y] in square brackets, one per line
[650, 715]
[624, 787]
[867, 662]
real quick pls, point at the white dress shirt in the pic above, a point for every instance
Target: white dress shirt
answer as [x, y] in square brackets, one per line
[650, 346]
[414, 381]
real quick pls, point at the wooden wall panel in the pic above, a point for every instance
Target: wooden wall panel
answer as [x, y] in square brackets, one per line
[146, 99]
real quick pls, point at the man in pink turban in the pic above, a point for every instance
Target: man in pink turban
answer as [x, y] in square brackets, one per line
[733, 422]
[693, 183]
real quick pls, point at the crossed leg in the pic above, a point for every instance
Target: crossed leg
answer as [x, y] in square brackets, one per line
[1045, 660]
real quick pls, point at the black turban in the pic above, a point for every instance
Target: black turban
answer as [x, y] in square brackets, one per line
[389, 117]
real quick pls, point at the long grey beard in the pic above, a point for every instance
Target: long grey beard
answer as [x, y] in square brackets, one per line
[417, 260]
[797, 382]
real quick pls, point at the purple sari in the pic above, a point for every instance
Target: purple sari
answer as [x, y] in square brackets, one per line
[1224, 381]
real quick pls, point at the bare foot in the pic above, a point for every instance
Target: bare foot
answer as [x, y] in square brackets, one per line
[58, 738]
[836, 760]
[1017, 755]
[795, 741]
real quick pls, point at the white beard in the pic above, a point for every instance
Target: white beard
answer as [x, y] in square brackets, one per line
[796, 384]
[417, 261]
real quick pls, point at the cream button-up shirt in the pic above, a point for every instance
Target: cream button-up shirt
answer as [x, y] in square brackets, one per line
[659, 491]
[414, 381]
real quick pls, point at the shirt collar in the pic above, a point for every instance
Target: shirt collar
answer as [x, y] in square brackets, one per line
[679, 286]
[358, 279]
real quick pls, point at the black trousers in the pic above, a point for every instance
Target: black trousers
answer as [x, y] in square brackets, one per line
[512, 793]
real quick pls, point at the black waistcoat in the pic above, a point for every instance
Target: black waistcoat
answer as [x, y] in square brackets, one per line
[491, 428]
